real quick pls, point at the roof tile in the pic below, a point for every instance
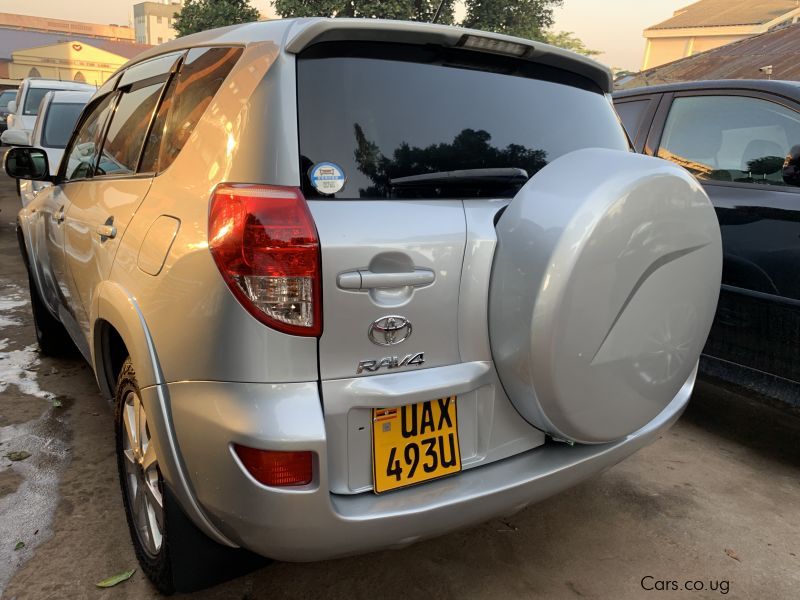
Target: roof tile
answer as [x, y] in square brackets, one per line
[12, 40]
[739, 60]
[720, 13]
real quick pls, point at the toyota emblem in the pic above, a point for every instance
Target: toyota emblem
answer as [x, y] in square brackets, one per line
[390, 330]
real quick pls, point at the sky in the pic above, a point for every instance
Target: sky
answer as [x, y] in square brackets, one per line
[612, 26]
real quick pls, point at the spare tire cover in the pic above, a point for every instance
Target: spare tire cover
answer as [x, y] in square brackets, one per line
[604, 285]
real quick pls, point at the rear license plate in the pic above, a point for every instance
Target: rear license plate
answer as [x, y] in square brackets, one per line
[414, 443]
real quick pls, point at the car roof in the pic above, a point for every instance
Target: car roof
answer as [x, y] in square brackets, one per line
[790, 89]
[70, 96]
[294, 35]
[36, 82]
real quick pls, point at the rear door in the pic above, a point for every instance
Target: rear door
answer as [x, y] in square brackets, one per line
[100, 206]
[407, 155]
[744, 147]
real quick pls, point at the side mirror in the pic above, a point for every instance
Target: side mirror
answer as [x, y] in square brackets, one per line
[12, 106]
[15, 137]
[28, 163]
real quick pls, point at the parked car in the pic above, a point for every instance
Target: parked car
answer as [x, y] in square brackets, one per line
[347, 291]
[741, 140]
[25, 106]
[58, 113]
[6, 96]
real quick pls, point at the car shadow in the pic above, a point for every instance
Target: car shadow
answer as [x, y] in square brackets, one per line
[730, 413]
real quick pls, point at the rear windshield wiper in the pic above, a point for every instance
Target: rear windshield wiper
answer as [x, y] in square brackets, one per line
[504, 175]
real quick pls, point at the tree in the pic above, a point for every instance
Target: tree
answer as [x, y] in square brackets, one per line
[199, 15]
[567, 40]
[530, 19]
[410, 10]
[470, 149]
[523, 18]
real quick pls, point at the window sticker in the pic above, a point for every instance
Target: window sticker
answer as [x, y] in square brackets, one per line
[327, 178]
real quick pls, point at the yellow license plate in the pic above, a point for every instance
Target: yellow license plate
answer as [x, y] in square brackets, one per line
[414, 443]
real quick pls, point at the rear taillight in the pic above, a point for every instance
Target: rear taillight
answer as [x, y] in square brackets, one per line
[265, 244]
[272, 467]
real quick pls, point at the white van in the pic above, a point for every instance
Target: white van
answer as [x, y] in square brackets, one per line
[24, 109]
[58, 113]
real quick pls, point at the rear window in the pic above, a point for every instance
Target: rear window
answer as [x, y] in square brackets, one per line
[384, 112]
[33, 99]
[60, 121]
[185, 101]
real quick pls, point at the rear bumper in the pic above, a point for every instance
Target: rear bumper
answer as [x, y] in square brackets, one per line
[310, 523]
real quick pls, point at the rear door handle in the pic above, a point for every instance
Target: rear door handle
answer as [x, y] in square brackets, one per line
[367, 280]
[59, 216]
[107, 231]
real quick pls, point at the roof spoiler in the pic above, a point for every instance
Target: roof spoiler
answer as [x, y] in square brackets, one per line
[306, 32]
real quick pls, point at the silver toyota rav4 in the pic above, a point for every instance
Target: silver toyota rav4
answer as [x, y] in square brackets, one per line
[356, 283]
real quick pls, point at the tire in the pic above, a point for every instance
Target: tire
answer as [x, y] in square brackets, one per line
[186, 559]
[141, 482]
[51, 336]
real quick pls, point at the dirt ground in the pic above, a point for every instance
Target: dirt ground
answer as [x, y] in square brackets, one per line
[715, 503]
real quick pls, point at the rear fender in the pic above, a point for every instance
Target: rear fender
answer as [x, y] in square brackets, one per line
[116, 307]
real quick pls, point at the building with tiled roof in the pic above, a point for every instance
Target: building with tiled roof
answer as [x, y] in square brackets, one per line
[66, 61]
[775, 54]
[60, 55]
[709, 24]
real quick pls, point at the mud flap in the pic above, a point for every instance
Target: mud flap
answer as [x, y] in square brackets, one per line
[197, 561]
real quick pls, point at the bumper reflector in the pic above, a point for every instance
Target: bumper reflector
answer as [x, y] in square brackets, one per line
[279, 469]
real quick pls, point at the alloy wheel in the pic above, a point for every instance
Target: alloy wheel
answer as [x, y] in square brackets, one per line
[143, 478]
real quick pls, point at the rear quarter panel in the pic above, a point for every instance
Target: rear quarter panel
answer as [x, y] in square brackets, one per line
[198, 328]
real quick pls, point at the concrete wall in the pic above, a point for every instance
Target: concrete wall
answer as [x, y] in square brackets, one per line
[152, 21]
[662, 50]
[114, 32]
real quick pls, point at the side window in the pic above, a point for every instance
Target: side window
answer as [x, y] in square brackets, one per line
[83, 149]
[190, 93]
[631, 113]
[729, 138]
[33, 100]
[153, 144]
[127, 130]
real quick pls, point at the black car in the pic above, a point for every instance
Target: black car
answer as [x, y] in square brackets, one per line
[741, 140]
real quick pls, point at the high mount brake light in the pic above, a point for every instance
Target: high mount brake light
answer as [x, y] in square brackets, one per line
[487, 44]
[266, 247]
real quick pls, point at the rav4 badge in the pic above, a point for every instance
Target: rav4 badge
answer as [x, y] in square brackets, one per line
[391, 362]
